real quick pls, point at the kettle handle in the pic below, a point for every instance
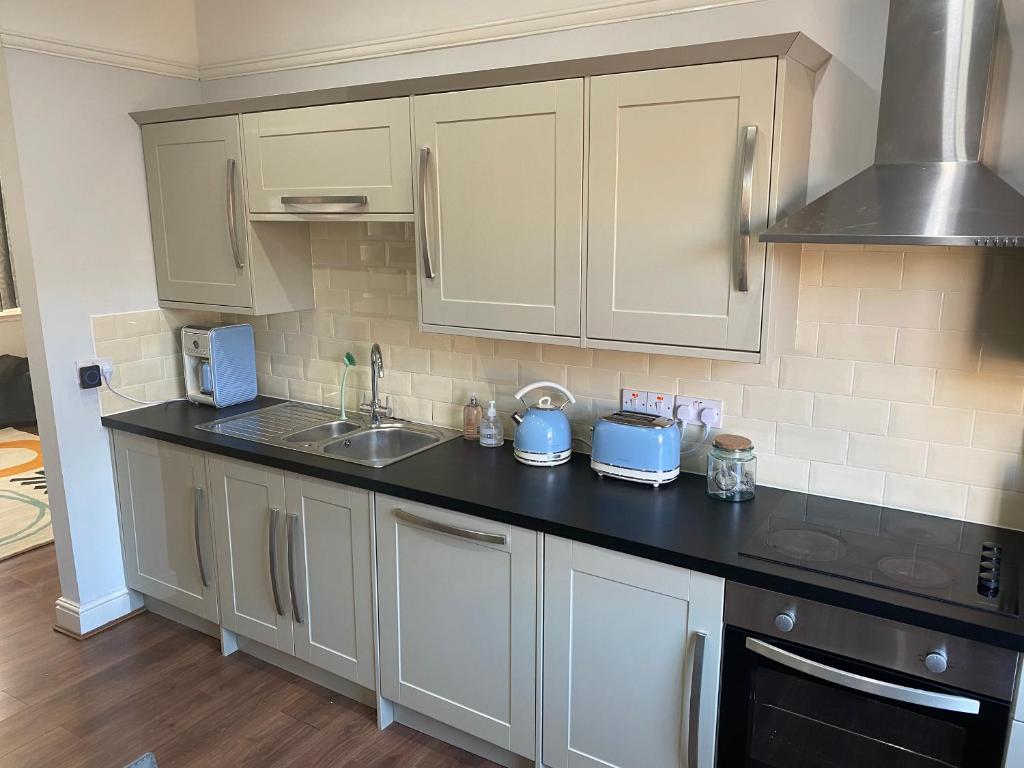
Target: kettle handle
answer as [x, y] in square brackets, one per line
[546, 385]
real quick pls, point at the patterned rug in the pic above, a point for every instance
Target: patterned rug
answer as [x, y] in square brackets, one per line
[24, 505]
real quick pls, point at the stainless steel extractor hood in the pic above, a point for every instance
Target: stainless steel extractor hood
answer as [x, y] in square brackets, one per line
[927, 186]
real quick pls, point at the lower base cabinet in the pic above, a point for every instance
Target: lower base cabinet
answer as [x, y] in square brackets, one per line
[632, 651]
[294, 561]
[165, 523]
[457, 602]
[631, 648]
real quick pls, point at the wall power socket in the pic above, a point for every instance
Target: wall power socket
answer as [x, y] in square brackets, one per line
[692, 410]
[92, 371]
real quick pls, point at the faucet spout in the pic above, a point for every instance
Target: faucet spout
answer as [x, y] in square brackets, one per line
[376, 374]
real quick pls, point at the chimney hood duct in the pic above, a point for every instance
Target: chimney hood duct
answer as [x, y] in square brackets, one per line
[927, 186]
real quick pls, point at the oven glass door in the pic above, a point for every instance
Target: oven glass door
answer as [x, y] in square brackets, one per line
[773, 715]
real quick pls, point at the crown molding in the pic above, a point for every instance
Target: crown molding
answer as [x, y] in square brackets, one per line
[20, 41]
[582, 16]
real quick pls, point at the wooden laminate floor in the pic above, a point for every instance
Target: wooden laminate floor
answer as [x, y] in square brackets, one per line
[152, 685]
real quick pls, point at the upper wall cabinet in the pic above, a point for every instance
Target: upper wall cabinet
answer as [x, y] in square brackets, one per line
[343, 158]
[207, 255]
[680, 169]
[500, 209]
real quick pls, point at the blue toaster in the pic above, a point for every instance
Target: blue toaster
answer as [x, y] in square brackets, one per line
[636, 446]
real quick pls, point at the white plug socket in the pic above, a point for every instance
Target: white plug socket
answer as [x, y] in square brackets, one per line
[698, 410]
[634, 400]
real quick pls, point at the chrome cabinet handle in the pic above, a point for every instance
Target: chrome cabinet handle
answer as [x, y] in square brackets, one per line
[293, 519]
[275, 513]
[746, 195]
[428, 268]
[325, 200]
[198, 502]
[232, 224]
[451, 530]
[863, 684]
[700, 641]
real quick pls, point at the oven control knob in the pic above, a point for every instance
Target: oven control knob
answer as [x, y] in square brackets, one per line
[785, 621]
[936, 663]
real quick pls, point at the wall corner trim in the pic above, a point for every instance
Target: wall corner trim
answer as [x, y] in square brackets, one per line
[96, 55]
[587, 15]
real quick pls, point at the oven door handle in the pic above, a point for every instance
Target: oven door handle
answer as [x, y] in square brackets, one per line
[863, 684]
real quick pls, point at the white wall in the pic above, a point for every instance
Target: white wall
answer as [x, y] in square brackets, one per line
[84, 191]
[154, 35]
[846, 101]
[12, 335]
[242, 36]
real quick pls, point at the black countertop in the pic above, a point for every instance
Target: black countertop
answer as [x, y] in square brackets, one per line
[676, 524]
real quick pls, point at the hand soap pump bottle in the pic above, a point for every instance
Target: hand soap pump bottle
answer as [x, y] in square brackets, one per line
[492, 432]
[471, 419]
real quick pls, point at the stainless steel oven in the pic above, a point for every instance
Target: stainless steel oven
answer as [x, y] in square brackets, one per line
[805, 685]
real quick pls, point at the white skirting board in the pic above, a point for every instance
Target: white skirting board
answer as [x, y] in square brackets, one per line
[81, 619]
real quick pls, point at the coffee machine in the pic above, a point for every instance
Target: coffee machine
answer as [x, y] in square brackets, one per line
[220, 364]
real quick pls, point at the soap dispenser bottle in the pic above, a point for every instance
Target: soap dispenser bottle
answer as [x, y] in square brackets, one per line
[492, 432]
[471, 419]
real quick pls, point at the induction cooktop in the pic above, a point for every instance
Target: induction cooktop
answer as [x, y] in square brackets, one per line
[948, 560]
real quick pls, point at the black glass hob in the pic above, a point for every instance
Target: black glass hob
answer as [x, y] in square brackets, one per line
[949, 560]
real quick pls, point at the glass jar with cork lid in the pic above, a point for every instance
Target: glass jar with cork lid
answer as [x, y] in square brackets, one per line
[732, 468]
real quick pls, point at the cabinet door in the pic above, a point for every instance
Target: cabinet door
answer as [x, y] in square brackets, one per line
[248, 505]
[457, 602]
[503, 207]
[620, 638]
[193, 173]
[667, 158]
[165, 523]
[340, 152]
[329, 570]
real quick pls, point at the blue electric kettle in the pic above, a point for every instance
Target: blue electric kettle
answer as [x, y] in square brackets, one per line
[543, 437]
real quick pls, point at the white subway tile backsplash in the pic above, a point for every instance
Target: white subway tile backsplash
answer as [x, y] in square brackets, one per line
[780, 405]
[900, 309]
[931, 423]
[871, 344]
[862, 269]
[852, 414]
[888, 454]
[922, 494]
[902, 356]
[844, 482]
[894, 382]
[817, 375]
[812, 443]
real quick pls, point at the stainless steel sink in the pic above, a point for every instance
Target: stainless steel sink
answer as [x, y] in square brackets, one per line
[323, 432]
[318, 430]
[382, 445]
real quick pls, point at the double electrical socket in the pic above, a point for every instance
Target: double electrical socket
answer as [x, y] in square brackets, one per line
[694, 410]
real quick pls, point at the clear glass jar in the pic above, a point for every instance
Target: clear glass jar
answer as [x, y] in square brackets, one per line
[732, 468]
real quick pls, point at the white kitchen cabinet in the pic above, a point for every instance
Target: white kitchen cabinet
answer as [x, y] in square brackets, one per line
[500, 209]
[248, 503]
[680, 166]
[457, 611]
[340, 158]
[621, 635]
[294, 556]
[206, 254]
[165, 523]
[330, 551]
